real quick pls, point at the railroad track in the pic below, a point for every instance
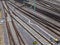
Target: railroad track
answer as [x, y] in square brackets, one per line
[35, 38]
[28, 31]
[56, 2]
[32, 28]
[50, 6]
[11, 39]
[19, 7]
[49, 24]
[32, 35]
[46, 11]
[8, 30]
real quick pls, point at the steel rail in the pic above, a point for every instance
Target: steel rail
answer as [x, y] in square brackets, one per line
[8, 29]
[14, 14]
[50, 26]
[26, 29]
[46, 12]
[49, 6]
[17, 33]
[30, 26]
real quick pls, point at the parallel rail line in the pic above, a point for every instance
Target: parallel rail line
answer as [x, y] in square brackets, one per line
[45, 20]
[40, 22]
[8, 29]
[9, 32]
[14, 14]
[54, 16]
[33, 29]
